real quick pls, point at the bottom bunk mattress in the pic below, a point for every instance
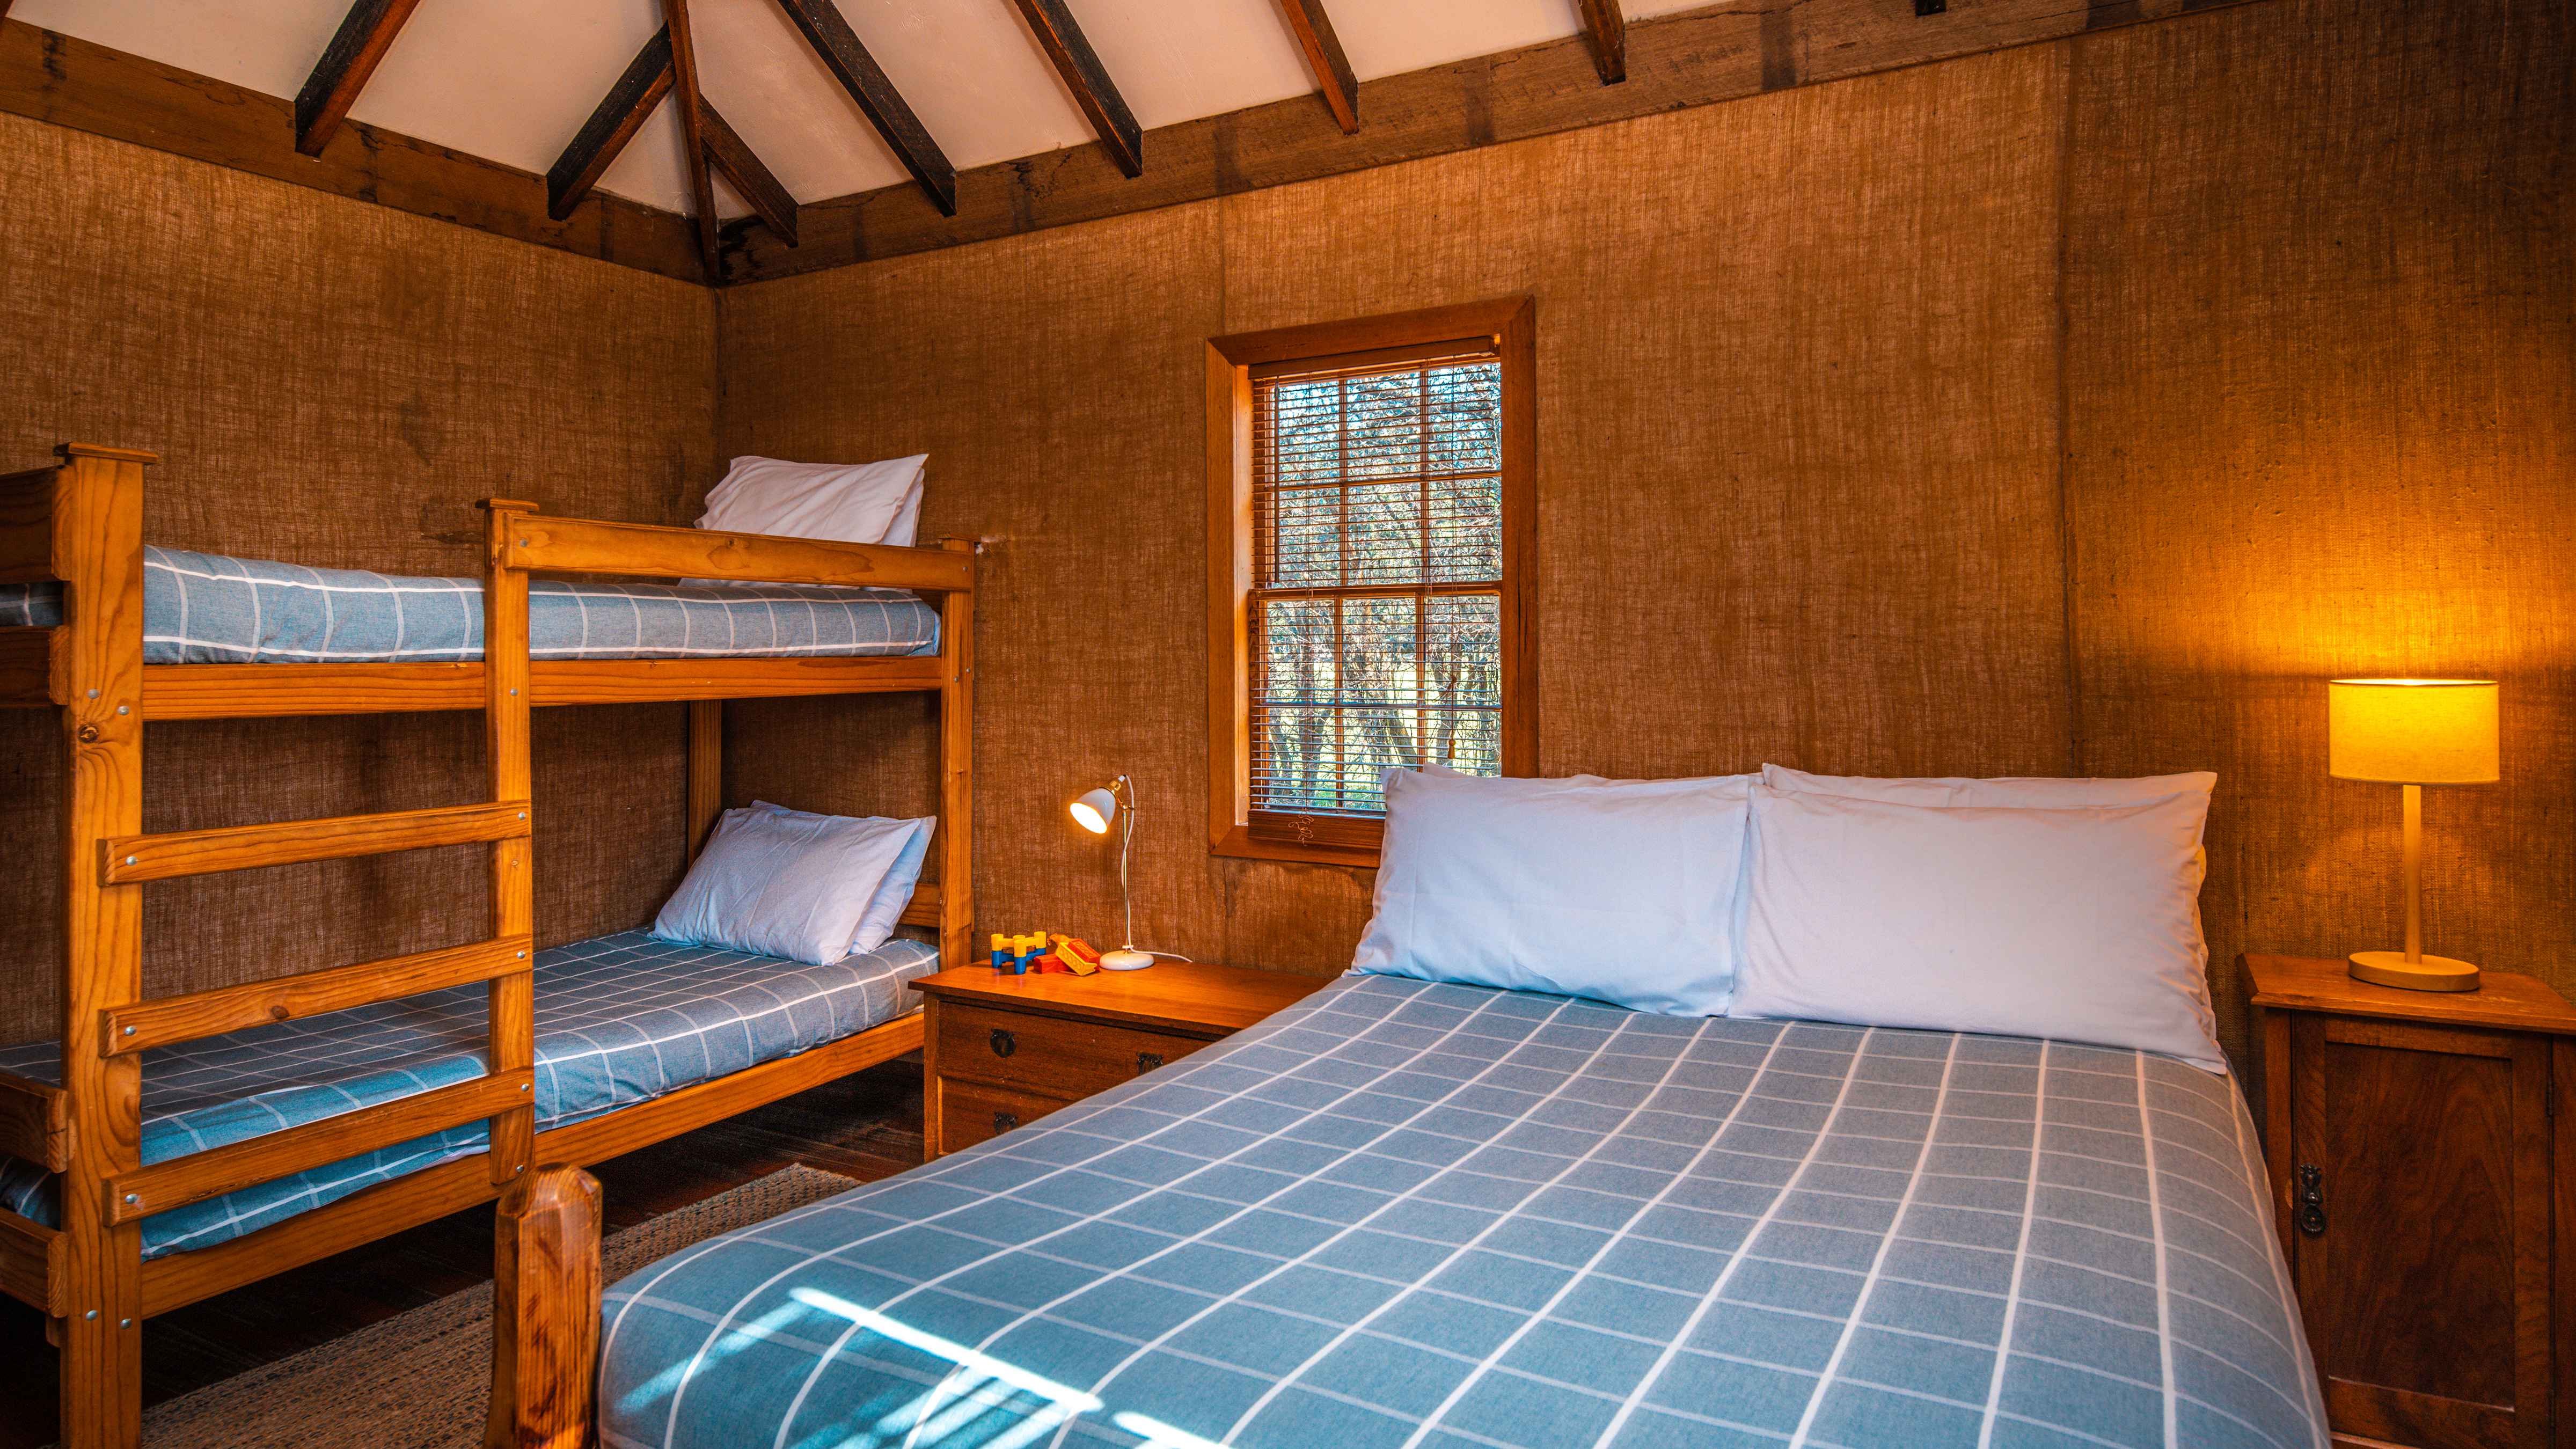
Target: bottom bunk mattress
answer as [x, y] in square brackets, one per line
[620, 1020]
[203, 608]
[1404, 1213]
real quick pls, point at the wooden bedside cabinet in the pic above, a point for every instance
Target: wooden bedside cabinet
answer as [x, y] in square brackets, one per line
[2423, 1159]
[1001, 1051]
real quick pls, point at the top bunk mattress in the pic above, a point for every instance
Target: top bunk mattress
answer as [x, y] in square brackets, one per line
[1406, 1215]
[202, 608]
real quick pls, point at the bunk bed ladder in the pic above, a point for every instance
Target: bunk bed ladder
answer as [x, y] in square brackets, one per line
[105, 1189]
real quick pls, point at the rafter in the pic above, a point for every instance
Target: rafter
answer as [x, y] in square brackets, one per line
[620, 115]
[859, 74]
[1609, 31]
[1314, 31]
[1089, 81]
[365, 34]
[693, 129]
[770, 201]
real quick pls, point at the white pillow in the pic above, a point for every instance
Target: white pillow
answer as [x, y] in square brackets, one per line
[783, 883]
[2027, 790]
[2079, 923]
[848, 502]
[885, 908]
[1614, 890]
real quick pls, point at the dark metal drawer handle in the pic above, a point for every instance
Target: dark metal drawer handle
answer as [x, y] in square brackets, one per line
[1147, 1061]
[1005, 1121]
[1003, 1042]
[2311, 1216]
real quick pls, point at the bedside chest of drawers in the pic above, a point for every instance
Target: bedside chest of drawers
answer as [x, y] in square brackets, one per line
[1001, 1051]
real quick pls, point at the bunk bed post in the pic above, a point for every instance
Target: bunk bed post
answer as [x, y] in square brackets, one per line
[511, 1011]
[98, 554]
[956, 768]
[706, 771]
[545, 1312]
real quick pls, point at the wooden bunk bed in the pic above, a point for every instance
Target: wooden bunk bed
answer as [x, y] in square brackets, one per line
[81, 522]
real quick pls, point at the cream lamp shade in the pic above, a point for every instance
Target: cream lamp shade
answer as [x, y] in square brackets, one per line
[2412, 731]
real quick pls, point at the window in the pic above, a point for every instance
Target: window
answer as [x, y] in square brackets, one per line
[1369, 538]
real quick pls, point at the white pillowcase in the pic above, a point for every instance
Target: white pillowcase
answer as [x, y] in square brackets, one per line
[784, 883]
[885, 909]
[847, 502]
[2008, 790]
[1615, 890]
[2078, 923]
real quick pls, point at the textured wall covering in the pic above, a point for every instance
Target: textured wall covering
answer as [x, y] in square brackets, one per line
[335, 383]
[2071, 409]
[2321, 374]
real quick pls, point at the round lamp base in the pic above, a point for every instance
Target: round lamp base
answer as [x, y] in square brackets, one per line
[1124, 960]
[2431, 973]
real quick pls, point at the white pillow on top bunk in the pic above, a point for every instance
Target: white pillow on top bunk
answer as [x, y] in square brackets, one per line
[2066, 909]
[844, 502]
[785, 883]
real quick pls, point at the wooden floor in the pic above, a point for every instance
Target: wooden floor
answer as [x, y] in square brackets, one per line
[865, 1126]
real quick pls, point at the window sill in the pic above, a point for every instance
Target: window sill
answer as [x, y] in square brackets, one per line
[1242, 844]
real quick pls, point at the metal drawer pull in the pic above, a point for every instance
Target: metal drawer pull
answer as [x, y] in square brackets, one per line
[1147, 1061]
[1005, 1121]
[1003, 1042]
[2311, 1216]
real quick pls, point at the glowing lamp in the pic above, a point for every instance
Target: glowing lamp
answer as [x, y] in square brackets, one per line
[2413, 732]
[1093, 810]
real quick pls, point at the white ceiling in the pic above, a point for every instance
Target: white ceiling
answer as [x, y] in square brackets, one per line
[512, 80]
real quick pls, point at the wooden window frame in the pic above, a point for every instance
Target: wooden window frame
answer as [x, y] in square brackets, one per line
[1511, 324]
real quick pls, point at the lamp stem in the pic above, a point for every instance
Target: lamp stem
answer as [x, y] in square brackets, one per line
[2414, 874]
[1127, 836]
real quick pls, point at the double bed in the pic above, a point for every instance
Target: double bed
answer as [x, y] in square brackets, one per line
[1404, 1213]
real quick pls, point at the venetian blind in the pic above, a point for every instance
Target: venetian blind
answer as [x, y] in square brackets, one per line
[1376, 601]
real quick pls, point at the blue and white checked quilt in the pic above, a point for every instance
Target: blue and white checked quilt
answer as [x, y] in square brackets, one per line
[202, 608]
[1405, 1213]
[620, 1019]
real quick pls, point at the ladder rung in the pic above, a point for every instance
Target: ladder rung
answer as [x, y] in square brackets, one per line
[212, 1173]
[128, 859]
[201, 1014]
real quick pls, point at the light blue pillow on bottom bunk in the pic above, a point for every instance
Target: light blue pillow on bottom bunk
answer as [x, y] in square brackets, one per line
[785, 883]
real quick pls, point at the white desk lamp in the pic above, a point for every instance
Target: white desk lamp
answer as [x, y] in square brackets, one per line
[1093, 810]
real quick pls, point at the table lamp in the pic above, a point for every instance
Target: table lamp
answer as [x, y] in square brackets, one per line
[2412, 732]
[1093, 810]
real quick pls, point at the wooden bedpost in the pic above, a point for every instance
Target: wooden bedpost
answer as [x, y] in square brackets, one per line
[956, 770]
[511, 1002]
[706, 771]
[545, 1313]
[98, 554]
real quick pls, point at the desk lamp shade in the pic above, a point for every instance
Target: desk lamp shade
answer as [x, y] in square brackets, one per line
[2413, 732]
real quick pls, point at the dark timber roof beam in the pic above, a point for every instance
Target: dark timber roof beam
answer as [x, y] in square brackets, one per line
[884, 106]
[1609, 32]
[1089, 81]
[365, 34]
[1314, 32]
[621, 113]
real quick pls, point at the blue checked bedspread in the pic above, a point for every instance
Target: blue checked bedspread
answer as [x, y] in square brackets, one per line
[620, 1019]
[202, 608]
[1405, 1213]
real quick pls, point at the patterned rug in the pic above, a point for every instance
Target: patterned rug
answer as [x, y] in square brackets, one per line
[418, 1380]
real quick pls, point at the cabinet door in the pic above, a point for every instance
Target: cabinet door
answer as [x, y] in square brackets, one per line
[2420, 1199]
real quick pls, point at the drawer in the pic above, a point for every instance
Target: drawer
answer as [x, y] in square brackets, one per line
[1048, 1054]
[970, 1112]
